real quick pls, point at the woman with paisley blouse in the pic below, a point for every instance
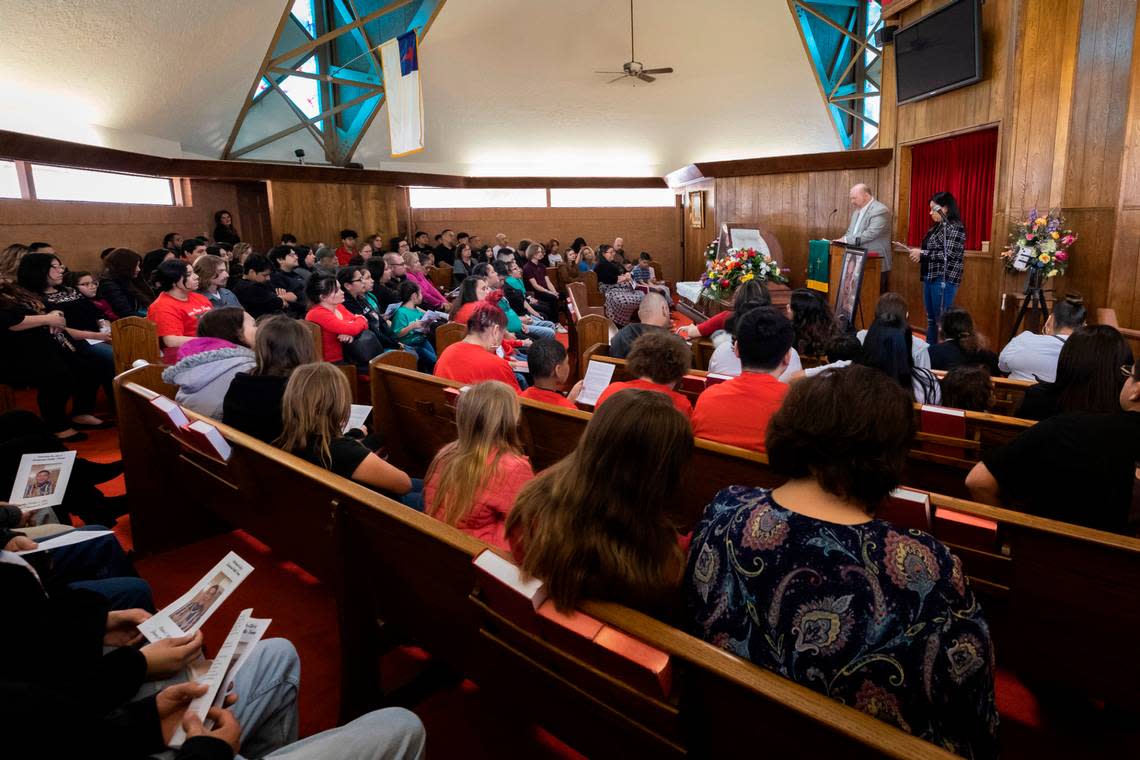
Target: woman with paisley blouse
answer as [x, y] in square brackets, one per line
[802, 579]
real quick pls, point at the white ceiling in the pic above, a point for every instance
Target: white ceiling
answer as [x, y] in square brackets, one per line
[508, 85]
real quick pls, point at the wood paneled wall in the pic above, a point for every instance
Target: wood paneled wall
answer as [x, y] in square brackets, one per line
[657, 230]
[80, 231]
[1067, 137]
[696, 239]
[795, 208]
[316, 212]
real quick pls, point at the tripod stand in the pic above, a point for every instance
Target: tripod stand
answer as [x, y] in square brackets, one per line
[1034, 298]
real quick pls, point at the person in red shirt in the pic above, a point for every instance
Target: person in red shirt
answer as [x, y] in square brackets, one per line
[473, 359]
[472, 292]
[339, 327]
[176, 310]
[658, 360]
[549, 368]
[473, 481]
[347, 248]
[737, 411]
[752, 290]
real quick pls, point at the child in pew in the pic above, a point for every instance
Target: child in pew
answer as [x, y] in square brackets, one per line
[472, 482]
[314, 411]
[549, 369]
[658, 360]
[597, 524]
[207, 365]
[803, 581]
[410, 325]
[475, 358]
[968, 387]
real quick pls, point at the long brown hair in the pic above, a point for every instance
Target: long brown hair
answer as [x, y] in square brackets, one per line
[282, 344]
[314, 410]
[10, 261]
[488, 420]
[598, 524]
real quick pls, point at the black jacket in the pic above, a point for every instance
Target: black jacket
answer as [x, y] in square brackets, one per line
[253, 405]
[258, 298]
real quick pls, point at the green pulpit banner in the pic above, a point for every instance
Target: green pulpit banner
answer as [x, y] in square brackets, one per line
[818, 264]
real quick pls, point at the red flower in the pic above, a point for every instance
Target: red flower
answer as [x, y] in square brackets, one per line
[724, 283]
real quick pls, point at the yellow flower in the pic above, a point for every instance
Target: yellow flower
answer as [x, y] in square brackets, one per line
[1053, 273]
[1055, 235]
[747, 277]
[1043, 258]
[1041, 220]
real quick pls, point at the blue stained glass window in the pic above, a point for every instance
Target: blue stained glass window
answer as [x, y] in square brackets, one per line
[303, 91]
[262, 86]
[303, 12]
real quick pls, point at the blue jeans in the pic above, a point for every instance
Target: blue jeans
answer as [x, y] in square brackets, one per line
[390, 734]
[539, 329]
[937, 297]
[415, 497]
[266, 689]
[426, 353]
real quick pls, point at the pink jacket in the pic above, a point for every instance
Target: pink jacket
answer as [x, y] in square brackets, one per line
[431, 294]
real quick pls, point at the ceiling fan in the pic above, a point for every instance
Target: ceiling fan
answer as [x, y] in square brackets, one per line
[635, 68]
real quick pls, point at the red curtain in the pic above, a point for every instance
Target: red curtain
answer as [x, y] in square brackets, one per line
[963, 166]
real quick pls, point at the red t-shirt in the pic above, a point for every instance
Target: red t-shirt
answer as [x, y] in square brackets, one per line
[548, 397]
[464, 313]
[469, 363]
[679, 400]
[343, 256]
[737, 411]
[493, 503]
[174, 317]
[343, 322]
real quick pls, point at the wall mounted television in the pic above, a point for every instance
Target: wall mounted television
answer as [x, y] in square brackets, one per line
[942, 51]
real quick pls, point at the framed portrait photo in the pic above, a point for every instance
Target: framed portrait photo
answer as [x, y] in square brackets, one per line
[850, 282]
[697, 209]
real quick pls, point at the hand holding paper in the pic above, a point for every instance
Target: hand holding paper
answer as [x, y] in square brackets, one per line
[192, 609]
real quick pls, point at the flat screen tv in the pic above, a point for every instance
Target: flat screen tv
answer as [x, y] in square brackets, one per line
[940, 52]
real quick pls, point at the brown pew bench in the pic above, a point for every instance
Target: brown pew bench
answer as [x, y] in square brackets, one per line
[353, 536]
[1067, 589]
[1008, 393]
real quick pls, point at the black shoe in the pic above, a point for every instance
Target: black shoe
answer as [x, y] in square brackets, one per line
[96, 473]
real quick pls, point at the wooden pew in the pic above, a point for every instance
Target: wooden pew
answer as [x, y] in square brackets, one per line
[1067, 587]
[414, 408]
[594, 296]
[441, 276]
[1008, 393]
[585, 332]
[723, 702]
[448, 333]
[348, 369]
[936, 463]
[134, 338]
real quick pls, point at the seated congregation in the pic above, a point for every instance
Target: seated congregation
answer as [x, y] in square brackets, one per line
[802, 579]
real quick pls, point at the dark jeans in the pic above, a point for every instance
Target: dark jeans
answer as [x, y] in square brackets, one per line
[99, 565]
[548, 304]
[62, 375]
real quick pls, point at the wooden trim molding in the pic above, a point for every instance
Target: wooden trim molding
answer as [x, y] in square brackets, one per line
[806, 162]
[32, 148]
[896, 6]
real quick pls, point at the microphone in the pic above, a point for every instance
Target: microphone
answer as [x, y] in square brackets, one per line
[834, 211]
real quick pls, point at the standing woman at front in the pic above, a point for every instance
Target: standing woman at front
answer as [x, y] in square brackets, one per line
[940, 257]
[224, 231]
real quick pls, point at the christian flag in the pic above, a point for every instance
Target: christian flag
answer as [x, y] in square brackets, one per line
[401, 63]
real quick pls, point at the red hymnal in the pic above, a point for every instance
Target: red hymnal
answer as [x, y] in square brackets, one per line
[507, 591]
[644, 667]
[944, 421]
[908, 508]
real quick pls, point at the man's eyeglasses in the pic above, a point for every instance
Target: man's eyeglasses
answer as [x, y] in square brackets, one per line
[1127, 370]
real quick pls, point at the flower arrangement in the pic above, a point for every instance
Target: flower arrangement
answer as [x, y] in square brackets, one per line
[722, 276]
[1039, 244]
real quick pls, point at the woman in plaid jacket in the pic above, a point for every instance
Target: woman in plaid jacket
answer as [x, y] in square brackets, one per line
[941, 259]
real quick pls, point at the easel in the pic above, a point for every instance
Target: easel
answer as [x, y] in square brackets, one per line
[1033, 294]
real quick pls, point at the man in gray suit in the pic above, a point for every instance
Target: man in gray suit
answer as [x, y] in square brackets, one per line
[870, 228]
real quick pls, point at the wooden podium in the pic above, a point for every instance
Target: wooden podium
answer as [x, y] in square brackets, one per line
[868, 293]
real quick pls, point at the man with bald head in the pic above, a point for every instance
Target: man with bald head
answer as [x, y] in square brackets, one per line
[652, 314]
[870, 228]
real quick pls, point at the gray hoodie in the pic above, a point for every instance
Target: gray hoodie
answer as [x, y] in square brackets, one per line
[204, 378]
